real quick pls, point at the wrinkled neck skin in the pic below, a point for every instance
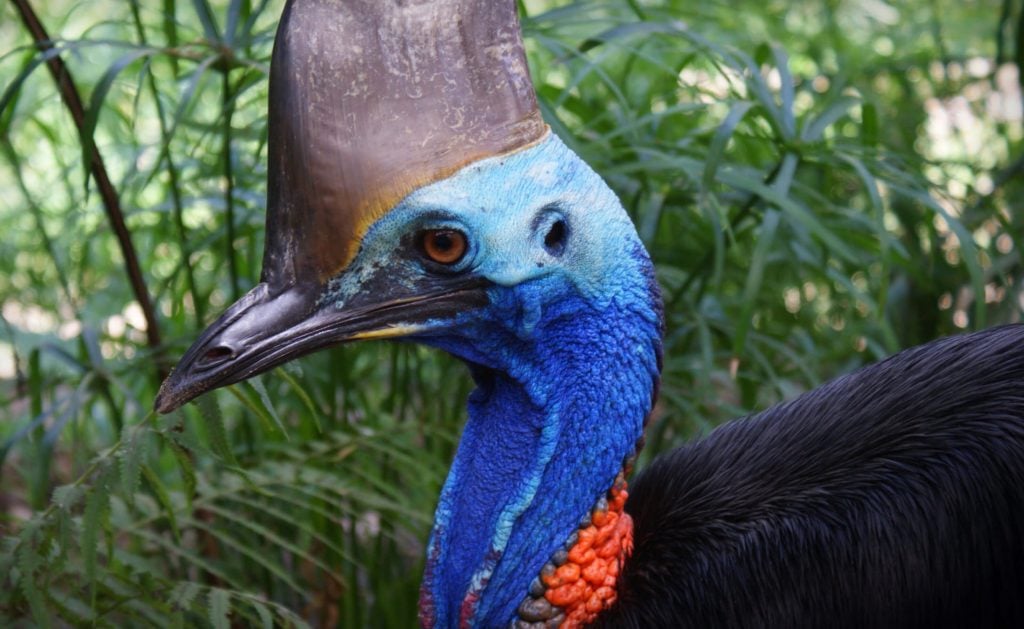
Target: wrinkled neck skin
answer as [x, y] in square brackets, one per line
[565, 376]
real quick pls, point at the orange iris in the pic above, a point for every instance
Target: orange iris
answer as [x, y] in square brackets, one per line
[444, 246]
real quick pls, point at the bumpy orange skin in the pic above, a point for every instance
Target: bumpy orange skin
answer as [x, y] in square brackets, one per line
[585, 584]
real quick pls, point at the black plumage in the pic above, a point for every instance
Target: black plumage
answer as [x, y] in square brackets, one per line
[891, 497]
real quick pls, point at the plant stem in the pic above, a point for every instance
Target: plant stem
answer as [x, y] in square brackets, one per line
[111, 202]
[229, 179]
[172, 174]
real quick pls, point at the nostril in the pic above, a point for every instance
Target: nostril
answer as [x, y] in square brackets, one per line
[554, 241]
[217, 354]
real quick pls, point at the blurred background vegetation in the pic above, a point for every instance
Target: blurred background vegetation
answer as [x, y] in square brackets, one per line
[821, 183]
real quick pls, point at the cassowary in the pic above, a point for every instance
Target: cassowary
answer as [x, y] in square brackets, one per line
[415, 192]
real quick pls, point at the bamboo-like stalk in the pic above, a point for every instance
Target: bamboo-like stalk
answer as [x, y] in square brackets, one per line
[111, 202]
[229, 179]
[174, 178]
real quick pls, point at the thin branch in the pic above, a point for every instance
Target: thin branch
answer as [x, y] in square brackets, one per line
[111, 203]
[1001, 28]
[1019, 53]
[940, 41]
[229, 179]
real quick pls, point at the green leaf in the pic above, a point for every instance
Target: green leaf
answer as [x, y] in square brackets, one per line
[13, 88]
[759, 88]
[869, 125]
[213, 423]
[300, 391]
[266, 407]
[99, 94]
[969, 253]
[28, 563]
[798, 212]
[73, 608]
[8, 557]
[185, 467]
[66, 497]
[130, 458]
[629, 30]
[184, 593]
[233, 542]
[293, 517]
[758, 264]
[169, 25]
[188, 98]
[184, 553]
[787, 89]
[157, 487]
[35, 383]
[266, 617]
[219, 602]
[97, 509]
[718, 143]
[231, 28]
[248, 521]
[205, 14]
[814, 130]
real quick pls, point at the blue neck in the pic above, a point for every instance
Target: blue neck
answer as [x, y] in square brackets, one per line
[565, 383]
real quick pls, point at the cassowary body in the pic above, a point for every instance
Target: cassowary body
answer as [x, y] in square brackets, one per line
[892, 497]
[889, 497]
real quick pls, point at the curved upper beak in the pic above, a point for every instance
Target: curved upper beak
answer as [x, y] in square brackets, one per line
[268, 327]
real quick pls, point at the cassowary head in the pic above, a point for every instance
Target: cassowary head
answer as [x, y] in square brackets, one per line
[415, 193]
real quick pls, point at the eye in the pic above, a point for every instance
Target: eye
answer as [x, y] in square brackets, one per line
[444, 246]
[554, 241]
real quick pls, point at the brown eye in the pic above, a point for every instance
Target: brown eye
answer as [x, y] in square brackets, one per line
[444, 246]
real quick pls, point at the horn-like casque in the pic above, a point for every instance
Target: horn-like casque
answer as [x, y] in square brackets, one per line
[371, 99]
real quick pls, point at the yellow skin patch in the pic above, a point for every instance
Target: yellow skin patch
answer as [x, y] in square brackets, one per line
[389, 332]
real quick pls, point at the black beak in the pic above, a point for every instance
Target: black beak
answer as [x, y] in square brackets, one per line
[267, 328]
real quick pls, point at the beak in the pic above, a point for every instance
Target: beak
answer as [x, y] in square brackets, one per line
[267, 328]
[337, 162]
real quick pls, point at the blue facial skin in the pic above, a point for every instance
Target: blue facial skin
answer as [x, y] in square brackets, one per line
[565, 358]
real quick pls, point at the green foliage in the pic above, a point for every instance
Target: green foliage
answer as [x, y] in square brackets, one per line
[819, 185]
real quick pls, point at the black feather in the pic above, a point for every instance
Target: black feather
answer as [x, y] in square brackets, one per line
[892, 497]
